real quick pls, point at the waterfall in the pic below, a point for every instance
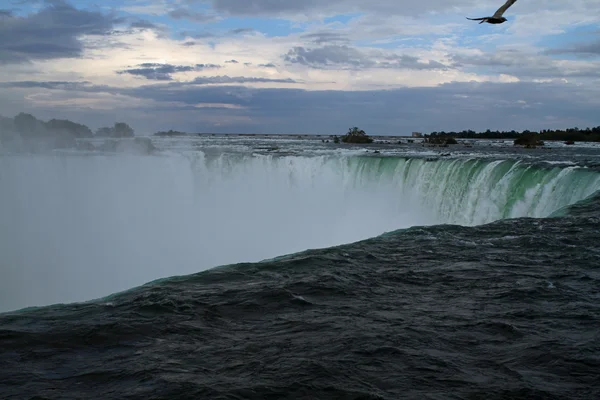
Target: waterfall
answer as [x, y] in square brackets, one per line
[76, 227]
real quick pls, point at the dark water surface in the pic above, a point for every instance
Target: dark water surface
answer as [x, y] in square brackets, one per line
[508, 310]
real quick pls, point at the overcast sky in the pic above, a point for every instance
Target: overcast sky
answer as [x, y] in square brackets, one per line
[302, 66]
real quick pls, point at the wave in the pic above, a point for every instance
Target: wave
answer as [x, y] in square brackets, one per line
[443, 311]
[76, 227]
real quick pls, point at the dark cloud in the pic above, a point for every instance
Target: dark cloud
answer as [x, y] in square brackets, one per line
[52, 32]
[261, 7]
[332, 7]
[583, 49]
[5, 13]
[326, 37]
[526, 65]
[241, 30]
[454, 106]
[164, 72]
[269, 65]
[232, 62]
[185, 13]
[409, 62]
[206, 66]
[342, 56]
[204, 35]
[327, 55]
[62, 85]
[135, 25]
[141, 24]
[197, 35]
[205, 80]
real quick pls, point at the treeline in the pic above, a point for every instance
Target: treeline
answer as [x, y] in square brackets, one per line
[29, 127]
[571, 134]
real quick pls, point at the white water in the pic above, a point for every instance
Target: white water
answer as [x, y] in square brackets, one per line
[78, 227]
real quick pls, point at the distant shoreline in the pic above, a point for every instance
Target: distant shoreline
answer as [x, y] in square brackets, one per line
[29, 126]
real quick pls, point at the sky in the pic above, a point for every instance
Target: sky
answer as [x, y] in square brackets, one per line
[389, 67]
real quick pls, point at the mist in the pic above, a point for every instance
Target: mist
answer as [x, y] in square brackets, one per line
[80, 227]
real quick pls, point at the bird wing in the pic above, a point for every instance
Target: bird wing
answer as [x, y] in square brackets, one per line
[502, 9]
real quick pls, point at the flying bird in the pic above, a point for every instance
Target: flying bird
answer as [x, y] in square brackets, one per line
[497, 18]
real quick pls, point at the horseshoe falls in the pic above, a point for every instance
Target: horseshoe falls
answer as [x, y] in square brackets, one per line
[277, 267]
[77, 227]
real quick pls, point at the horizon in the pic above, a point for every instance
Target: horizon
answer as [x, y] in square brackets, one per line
[233, 67]
[328, 135]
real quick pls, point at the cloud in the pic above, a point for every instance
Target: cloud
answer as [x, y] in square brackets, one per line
[141, 24]
[343, 56]
[185, 13]
[52, 32]
[205, 105]
[327, 55]
[197, 35]
[137, 26]
[241, 30]
[205, 80]
[526, 65]
[583, 49]
[326, 37]
[62, 85]
[386, 64]
[164, 72]
[480, 106]
[312, 8]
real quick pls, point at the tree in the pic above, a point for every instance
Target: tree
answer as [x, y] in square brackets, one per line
[28, 125]
[121, 129]
[66, 126]
[104, 132]
[356, 135]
